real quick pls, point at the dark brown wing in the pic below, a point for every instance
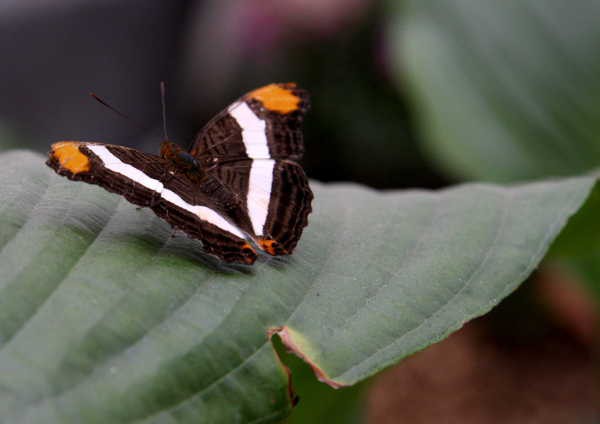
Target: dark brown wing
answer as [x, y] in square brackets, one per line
[276, 196]
[199, 207]
[263, 124]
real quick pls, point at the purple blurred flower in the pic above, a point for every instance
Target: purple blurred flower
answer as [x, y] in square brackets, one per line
[263, 24]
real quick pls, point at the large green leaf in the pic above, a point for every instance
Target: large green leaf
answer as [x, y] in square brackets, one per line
[104, 317]
[506, 90]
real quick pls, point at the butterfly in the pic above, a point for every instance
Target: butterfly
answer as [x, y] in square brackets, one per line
[239, 189]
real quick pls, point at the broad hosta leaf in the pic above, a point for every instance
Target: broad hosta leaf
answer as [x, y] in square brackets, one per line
[507, 90]
[104, 317]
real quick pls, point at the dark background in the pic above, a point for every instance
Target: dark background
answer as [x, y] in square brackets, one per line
[209, 53]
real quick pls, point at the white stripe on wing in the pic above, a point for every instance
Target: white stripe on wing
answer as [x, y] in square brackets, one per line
[254, 133]
[259, 193]
[113, 163]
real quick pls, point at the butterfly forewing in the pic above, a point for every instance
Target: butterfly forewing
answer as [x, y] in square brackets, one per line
[275, 195]
[263, 124]
[148, 180]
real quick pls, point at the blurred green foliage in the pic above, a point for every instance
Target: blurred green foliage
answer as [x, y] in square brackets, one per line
[505, 90]
[509, 91]
[8, 138]
[317, 402]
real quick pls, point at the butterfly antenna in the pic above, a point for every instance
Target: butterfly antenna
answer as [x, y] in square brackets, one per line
[115, 110]
[163, 95]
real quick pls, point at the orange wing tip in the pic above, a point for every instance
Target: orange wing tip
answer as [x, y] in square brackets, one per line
[248, 254]
[272, 247]
[277, 97]
[69, 156]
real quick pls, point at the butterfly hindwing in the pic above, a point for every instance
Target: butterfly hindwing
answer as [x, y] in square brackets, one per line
[276, 197]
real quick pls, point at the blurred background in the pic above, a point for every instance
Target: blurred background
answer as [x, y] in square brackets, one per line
[405, 94]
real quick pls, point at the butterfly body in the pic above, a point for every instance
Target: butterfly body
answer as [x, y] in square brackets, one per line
[238, 189]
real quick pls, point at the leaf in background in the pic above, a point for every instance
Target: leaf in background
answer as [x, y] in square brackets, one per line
[319, 402]
[577, 249]
[8, 138]
[506, 90]
[104, 317]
